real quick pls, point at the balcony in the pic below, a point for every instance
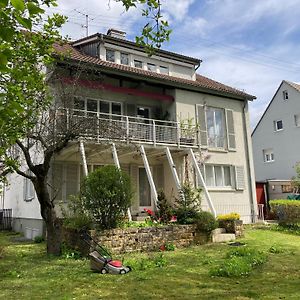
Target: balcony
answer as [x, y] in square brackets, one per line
[98, 127]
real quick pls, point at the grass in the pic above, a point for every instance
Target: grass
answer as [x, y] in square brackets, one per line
[27, 273]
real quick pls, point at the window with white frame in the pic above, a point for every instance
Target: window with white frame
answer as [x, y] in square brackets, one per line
[285, 95]
[110, 55]
[218, 175]
[297, 120]
[215, 120]
[151, 67]
[138, 64]
[268, 155]
[28, 188]
[124, 58]
[278, 125]
[164, 70]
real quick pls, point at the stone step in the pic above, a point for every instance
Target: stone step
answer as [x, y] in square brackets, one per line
[218, 231]
[139, 218]
[223, 237]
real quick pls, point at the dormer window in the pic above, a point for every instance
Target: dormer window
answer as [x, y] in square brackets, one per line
[125, 59]
[285, 95]
[138, 64]
[110, 55]
[151, 67]
[164, 70]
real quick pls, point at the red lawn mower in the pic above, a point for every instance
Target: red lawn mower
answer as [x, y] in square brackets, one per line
[101, 261]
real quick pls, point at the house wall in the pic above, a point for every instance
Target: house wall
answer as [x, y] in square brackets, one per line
[285, 143]
[226, 199]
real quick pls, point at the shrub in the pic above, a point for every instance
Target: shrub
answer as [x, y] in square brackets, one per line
[68, 253]
[75, 216]
[286, 211]
[106, 195]
[188, 204]
[39, 239]
[229, 217]
[205, 221]
[164, 208]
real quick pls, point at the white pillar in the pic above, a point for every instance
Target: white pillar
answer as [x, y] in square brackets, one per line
[83, 157]
[117, 164]
[209, 201]
[149, 175]
[173, 168]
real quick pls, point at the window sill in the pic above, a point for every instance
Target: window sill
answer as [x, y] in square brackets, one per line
[269, 162]
[279, 130]
[223, 150]
[221, 189]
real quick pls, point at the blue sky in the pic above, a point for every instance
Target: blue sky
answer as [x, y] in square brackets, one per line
[251, 45]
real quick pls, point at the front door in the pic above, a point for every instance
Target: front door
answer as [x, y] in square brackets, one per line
[145, 199]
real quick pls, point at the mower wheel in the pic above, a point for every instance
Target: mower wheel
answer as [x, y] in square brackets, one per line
[122, 272]
[103, 271]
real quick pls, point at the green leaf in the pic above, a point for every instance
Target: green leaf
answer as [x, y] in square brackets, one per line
[3, 3]
[7, 33]
[34, 9]
[3, 59]
[25, 22]
[18, 4]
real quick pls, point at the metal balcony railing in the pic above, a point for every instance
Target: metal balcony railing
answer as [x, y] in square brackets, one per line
[102, 126]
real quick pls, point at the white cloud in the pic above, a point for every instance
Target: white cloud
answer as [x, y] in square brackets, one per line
[177, 10]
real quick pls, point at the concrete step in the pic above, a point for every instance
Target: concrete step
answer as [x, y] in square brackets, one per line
[218, 231]
[223, 237]
[139, 218]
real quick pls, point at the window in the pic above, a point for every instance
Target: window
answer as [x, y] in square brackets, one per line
[297, 120]
[28, 188]
[164, 70]
[138, 64]
[287, 188]
[124, 59]
[110, 55]
[278, 125]
[285, 95]
[268, 155]
[218, 176]
[215, 127]
[151, 67]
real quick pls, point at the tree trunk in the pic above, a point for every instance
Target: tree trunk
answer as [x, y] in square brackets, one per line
[53, 224]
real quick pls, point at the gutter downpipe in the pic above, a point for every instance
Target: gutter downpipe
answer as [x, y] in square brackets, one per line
[248, 163]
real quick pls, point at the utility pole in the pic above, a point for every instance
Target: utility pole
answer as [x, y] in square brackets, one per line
[86, 26]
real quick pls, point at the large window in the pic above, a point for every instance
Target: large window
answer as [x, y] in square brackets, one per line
[110, 55]
[215, 127]
[124, 58]
[138, 64]
[151, 67]
[164, 70]
[218, 176]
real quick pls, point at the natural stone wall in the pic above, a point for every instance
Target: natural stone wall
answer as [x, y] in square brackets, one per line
[233, 226]
[149, 238]
[138, 239]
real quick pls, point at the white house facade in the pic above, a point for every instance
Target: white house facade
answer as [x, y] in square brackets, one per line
[165, 125]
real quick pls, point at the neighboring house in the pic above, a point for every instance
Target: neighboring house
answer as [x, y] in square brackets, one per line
[159, 103]
[276, 141]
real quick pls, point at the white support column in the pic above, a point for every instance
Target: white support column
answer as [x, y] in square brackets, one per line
[209, 201]
[149, 175]
[173, 168]
[117, 164]
[83, 157]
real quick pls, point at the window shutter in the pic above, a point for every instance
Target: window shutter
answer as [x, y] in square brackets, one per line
[230, 130]
[239, 178]
[134, 181]
[131, 109]
[201, 117]
[202, 170]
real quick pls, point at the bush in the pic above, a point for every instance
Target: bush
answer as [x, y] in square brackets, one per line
[188, 204]
[106, 195]
[75, 216]
[164, 208]
[229, 217]
[205, 221]
[286, 211]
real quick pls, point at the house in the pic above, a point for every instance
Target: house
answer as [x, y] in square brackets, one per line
[157, 119]
[276, 139]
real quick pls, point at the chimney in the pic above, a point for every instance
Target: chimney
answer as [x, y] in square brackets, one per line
[116, 33]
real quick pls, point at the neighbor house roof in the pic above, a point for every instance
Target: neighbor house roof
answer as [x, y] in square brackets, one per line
[201, 83]
[295, 85]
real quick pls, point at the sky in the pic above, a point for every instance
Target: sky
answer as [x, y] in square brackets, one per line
[250, 45]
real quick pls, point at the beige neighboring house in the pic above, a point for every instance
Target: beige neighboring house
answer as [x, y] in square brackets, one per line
[174, 123]
[276, 141]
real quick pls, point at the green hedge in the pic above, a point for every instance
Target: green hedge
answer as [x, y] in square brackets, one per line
[286, 211]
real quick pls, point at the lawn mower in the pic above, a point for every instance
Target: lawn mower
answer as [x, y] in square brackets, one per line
[101, 261]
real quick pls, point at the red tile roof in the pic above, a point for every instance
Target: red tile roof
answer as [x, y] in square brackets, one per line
[201, 82]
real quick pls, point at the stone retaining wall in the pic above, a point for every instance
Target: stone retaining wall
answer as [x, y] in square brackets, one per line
[142, 239]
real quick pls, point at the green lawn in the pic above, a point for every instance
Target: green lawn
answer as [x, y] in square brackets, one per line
[27, 273]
